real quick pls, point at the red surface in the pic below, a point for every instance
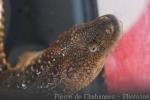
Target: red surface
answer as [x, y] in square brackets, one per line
[128, 68]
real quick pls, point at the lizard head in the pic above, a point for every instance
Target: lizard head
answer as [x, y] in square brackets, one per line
[101, 34]
[72, 61]
[86, 48]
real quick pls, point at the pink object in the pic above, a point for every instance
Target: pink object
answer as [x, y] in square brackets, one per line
[128, 68]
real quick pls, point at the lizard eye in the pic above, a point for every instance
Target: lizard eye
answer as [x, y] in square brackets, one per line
[93, 48]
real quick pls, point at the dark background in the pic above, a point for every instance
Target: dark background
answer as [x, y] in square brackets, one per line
[34, 24]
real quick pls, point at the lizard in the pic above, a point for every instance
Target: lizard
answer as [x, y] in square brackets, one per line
[69, 64]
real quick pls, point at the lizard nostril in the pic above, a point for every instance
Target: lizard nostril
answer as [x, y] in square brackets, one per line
[110, 29]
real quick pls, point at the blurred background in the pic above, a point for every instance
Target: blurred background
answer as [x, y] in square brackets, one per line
[34, 24]
[127, 70]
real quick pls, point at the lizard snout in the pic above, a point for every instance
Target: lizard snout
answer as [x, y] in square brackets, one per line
[111, 25]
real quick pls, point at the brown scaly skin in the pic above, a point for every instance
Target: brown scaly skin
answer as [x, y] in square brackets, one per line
[70, 63]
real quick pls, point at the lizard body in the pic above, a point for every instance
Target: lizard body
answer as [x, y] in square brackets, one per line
[69, 64]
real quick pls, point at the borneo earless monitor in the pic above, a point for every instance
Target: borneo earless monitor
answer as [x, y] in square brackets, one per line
[69, 64]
